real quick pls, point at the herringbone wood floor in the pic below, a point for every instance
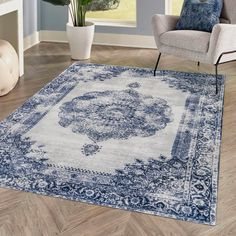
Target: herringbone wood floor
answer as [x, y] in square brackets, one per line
[29, 214]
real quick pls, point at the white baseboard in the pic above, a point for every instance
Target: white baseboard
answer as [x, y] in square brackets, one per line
[31, 40]
[124, 40]
[53, 36]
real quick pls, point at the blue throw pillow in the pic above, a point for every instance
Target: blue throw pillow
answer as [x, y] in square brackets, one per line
[200, 15]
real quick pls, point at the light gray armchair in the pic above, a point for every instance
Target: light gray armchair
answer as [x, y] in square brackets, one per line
[212, 48]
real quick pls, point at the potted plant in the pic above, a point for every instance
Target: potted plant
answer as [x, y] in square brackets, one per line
[79, 32]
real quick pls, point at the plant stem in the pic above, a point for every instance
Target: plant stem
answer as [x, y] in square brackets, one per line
[73, 2]
[71, 15]
[77, 13]
[82, 18]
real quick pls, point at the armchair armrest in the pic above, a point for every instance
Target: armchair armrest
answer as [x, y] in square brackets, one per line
[162, 24]
[223, 40]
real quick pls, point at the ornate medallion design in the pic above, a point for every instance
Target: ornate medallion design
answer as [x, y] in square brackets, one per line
[114, 115]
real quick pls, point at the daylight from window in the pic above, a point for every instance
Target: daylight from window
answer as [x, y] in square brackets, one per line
[175, 7]
[124, 11]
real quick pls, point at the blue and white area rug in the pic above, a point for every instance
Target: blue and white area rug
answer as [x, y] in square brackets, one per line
[120, 137]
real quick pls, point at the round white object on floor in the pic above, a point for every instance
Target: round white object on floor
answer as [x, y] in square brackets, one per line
[9, 67]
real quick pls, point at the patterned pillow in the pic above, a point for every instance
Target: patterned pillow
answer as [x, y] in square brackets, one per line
[200, 15]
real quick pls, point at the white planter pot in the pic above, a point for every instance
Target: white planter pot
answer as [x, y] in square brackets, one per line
[80, 40]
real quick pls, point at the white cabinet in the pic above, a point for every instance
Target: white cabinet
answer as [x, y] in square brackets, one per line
[11, 26]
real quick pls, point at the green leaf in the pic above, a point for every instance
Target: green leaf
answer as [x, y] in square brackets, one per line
[58, 2]
[85, 2]
[78, 8]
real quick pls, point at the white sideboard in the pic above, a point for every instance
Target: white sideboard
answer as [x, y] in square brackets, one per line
[11, 26]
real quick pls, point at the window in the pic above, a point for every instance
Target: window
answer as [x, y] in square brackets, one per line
[173, 7]
[124, 12]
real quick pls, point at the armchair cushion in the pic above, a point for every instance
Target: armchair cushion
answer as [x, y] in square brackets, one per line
[162, 24]
[200, 15]
[187, 39]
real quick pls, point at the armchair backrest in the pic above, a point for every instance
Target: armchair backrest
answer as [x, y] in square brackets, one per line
[229, 11]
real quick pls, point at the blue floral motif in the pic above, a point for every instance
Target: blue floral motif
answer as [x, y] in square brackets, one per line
[90, 149]
[115, 115]
[183, 187]
[134, 85]
[152, 177]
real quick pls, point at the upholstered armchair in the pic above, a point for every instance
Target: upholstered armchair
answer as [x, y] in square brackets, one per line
[214, 48]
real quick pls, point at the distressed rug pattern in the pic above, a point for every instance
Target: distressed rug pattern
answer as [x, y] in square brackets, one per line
[119, 137]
